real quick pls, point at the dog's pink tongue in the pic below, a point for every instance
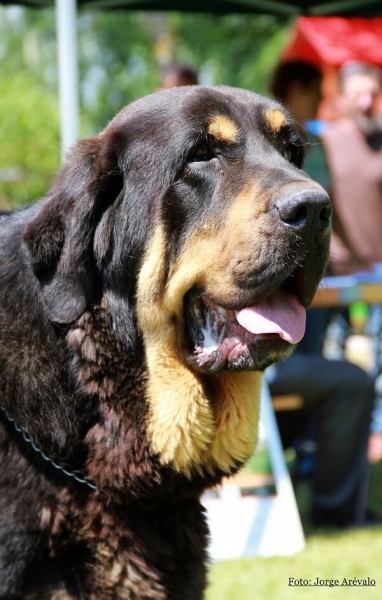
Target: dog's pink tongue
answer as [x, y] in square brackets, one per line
[282, 313]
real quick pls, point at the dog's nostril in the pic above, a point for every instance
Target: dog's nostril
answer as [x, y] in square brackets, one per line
[296, 216]
[305, 209]
[326, 215]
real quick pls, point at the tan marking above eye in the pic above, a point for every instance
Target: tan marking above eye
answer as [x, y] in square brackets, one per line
[224, 129]
[276, 119]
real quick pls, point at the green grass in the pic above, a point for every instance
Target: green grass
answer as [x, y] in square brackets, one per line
[329, 554]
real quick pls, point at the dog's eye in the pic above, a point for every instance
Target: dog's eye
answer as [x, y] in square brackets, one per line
[293, 153]
[202, 153]
[292, 147]
[288, 153]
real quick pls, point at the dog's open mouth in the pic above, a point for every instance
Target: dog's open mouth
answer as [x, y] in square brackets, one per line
[247, 338]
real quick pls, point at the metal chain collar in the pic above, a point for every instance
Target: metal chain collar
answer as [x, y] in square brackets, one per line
[77, 475]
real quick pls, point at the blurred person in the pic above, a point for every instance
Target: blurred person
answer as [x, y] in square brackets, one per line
[360, 87]
[298, 85]
[353, 146]
[354, 150]
[337, 396]
[178, 75]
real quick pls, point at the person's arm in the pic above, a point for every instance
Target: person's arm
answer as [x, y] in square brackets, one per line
[343, 260]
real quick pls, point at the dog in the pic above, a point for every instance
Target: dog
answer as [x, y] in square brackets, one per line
[171, 262]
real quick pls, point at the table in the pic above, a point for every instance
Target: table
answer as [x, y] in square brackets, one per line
[342, 291]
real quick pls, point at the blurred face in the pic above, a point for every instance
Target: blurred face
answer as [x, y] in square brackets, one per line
[312, 97]
[303, 101]
[176, 80]
[360, 93]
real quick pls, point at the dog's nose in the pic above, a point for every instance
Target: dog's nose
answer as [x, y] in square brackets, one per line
[306, 210]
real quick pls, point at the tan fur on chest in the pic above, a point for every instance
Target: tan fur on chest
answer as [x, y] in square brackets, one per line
[202, 426]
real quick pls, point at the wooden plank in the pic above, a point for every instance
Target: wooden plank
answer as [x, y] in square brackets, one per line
[325, 297]
[287, 402]
[371, 293]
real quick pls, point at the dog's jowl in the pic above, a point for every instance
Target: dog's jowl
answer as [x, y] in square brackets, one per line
[171, 262]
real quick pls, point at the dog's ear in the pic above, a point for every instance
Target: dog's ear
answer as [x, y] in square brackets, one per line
[60, 237]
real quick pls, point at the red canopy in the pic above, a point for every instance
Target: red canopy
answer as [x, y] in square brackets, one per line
[336, 40]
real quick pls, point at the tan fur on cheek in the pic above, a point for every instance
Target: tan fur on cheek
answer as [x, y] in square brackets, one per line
[180, 424]
[244, 214]
[151, 275]
[208, 259]
[195, 422]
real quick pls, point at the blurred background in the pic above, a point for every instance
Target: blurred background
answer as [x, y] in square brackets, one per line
[122, 55]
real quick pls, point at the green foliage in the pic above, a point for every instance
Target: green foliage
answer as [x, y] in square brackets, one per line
[117, 63]
[29, 132]
[237, 50]
[29, 139]
[28, 42]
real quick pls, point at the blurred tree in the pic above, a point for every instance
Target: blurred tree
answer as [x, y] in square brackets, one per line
[29, 139]
[117, 63]
[237, 50]
[122, 55]
[29, 131]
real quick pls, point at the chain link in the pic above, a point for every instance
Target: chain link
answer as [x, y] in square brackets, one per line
[77, 475]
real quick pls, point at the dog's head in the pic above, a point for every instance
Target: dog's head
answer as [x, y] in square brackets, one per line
[190, 219]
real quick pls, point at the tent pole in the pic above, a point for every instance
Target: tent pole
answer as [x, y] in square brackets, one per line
[66, 24]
